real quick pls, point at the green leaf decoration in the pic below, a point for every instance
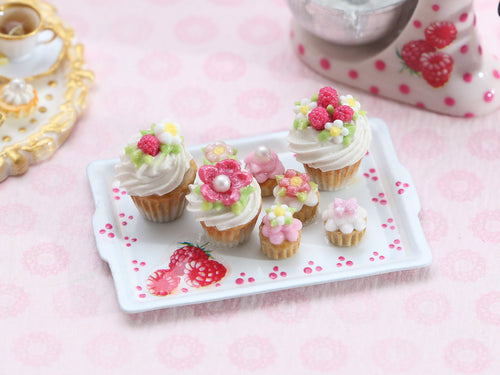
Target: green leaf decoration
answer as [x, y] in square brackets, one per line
[300, 124]
[314, 98]
[197, 189]
[288, 220]
[273, 222]
[218, 206]
[148, 159]
[281, 191]
[324, 135]
[302, 196]
[330, 109]
[170, 149]
[314, 186]
[207, 206]
[237, 208]
[297, 102]
[347, 140]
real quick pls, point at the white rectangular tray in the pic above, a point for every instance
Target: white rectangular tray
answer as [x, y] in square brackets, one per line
[135, 248]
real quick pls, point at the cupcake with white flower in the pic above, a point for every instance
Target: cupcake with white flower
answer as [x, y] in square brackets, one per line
[330, 137]
[280, 232]
[17, 98]
[156, 169]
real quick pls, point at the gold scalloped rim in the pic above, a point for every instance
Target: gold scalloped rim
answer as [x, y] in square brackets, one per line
[16, 159]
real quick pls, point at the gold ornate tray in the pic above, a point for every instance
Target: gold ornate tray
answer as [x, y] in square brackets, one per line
[57, 73]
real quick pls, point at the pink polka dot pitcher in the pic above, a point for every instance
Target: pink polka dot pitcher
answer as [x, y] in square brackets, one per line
[430, 56]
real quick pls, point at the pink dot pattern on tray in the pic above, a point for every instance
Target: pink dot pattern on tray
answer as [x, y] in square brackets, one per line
[117, 194]
[311, 268]
[401, 186]
[396, 245]
[380, 198]
[277, 273]
[371, 174]
[342, 261]
[389, 224]
[376, 255]
[244, 278]
[107, 230]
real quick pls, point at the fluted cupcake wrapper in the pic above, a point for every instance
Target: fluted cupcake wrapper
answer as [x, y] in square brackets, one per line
[307, 213]
[267, 187]
[233, 236]
[342, 239]
[332, 180]
[168, 207]
[282, 251]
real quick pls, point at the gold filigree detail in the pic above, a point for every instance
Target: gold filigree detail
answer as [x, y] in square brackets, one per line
[16, 158]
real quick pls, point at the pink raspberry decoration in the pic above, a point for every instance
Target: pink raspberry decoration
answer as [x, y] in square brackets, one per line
[149, 144]
[328, 96]
[343, 113]
[440, 34]
[318, 117]
[294, 183]
[222, 181]
[412, 51]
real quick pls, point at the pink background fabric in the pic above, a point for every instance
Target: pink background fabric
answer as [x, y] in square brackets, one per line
[225, 69]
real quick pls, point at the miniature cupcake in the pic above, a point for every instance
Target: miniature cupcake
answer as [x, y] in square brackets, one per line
[264, 165]
[345, 222]
[156, 170]
[296, 190]
[226, 201]
[218, 151]
[18, 99]
[330, 136]
[279, 232]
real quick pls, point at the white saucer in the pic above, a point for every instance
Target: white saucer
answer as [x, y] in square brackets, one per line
[44, 58]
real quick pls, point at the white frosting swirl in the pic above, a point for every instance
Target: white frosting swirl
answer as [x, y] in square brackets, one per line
[225, 218]
[17, 92]
[326, 155]
[160, 177]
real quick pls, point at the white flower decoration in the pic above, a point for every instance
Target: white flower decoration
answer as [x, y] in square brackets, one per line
[351, 102]
[168, 133]
[337, 131]
[280, 213]
[303, 108]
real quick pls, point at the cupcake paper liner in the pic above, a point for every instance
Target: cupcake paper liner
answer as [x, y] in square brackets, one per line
[267, 187]
[282, 251]
[332, 180]
[342, 239]
[233, 236]
[168, 207]
[307, 213]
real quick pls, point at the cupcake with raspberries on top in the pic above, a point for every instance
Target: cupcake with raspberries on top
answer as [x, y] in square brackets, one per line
[264, 165]
[295, 190]
[330, 135]
[156, 170]
[226, 201]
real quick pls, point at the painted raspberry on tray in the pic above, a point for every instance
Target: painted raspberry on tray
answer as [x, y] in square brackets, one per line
[203, 272]
[186, 254]
[162, 282]
[424, 56]
[325, 107]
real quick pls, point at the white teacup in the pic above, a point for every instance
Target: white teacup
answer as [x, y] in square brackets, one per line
[21, 27]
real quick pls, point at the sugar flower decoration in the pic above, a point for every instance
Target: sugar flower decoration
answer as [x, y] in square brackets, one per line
[224, 185]
[303, 108]
[218, 151]
[351, 102]
[294, 184]
[337, 131]
[279, 224]
[343, 207]
[168, 133]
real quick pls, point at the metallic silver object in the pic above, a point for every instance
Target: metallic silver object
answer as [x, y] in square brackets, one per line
[350, 22]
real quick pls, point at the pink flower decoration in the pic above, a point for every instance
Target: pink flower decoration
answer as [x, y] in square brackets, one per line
[295, 182]
[343, 207]
[281, 233]
[223, 181]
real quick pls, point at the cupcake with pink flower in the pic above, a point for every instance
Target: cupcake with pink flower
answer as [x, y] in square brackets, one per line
[345, 222]
[226, 201]
[217, 151]
[156, 170]
[295, 190]
[330, 135]
[279, 232]
[264, 165]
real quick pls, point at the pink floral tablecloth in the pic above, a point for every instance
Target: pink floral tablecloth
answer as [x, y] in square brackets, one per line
[225, 69]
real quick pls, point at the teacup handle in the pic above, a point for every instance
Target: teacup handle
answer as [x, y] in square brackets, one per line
[54, 34]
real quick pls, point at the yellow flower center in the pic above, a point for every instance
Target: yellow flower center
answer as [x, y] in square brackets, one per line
[304, 109]
[279, 211]
[218, 150]
[296, 181]
[171, 128]
[351, 102]
[335, 131]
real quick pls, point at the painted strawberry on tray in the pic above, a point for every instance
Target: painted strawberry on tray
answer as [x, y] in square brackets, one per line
[191, 262]
[425, 58]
